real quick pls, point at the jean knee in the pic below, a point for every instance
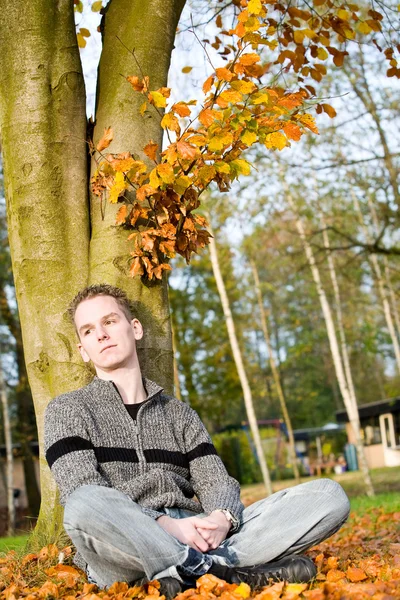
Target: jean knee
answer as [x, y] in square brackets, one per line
[80, 506]
[339, 504]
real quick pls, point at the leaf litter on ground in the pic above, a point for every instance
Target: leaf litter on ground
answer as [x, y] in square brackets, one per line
[360, 562]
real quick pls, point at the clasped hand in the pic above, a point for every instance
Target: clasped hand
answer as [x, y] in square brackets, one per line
[202, 534]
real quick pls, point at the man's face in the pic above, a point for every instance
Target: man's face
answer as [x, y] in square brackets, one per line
[106, 336]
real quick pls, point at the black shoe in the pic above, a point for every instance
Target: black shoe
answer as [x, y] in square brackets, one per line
[169, 586]
[294, 569]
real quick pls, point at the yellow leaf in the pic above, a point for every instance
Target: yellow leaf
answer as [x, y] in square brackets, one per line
[154, 179]
[181, 184]
[254, 7]
[169, 121]
[166, 173]
[218, 142]
[97, 6]
[81, 40]
[229, 96]
[143, 108]
[252, 24]
[240, 167]
[309, 122]
[310, 33]
[299, 36]
[344, 14]
[260, 98]
[157, 99]
[207, 173]
[244, 87]
[186, 69]
[322, 54]
[222, 167]
[249, 137]
[275, 140]
[364, 28]
[118, 187]
[293, 589]
[85, 32]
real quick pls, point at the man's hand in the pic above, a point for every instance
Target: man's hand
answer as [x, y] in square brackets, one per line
[188, 530]
[214, 537]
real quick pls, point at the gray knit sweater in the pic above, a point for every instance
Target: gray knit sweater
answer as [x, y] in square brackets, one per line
[163, 459]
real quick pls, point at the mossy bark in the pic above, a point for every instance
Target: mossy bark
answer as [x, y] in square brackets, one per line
[148, 27]
[59, 240]
[43, 130]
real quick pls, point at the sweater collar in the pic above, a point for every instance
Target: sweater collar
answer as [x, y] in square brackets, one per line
[152, 388]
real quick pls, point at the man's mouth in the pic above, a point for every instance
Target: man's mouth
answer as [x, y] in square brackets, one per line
[107, 347]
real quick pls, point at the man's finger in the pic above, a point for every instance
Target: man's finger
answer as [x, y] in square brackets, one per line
[204, 524]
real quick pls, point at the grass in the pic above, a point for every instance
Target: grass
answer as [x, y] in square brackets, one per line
[17, 543]
[389, 502]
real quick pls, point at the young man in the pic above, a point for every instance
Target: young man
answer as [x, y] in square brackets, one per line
[129, 461]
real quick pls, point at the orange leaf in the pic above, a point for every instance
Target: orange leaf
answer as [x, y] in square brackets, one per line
[105, 140]
[207, 85]
[169, 121]
[355, 574]
[182, 109]
[121, 214]
[335, 575]
[139, 85]
[292, 131]
[186, 150]
[224, 74]
[144, 191]
[249, 59]
[207, 117]
[329, 110]
[150, 150]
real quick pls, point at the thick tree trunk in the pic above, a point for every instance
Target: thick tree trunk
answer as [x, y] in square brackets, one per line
[9, 453]
[351, 409]
[237, 355]
[148, 27]
[275, 373]
[43, 129]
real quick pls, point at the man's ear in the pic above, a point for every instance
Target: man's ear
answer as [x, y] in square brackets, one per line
[137, 329]
[83, 353]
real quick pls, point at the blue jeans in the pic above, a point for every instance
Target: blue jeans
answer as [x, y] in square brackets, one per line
[121, 543]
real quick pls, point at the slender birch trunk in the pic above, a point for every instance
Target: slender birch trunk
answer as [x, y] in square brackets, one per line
[351, 408]
[10, 458]
[339, 315]
[390, 289]
[275, 373]
[237, 355]
[373, 259]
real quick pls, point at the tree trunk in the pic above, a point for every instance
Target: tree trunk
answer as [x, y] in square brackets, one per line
[177, 385]
[351, 409]
[275, 373]
[43, 128]
[237, 355]
[148, 27]
[10, 458]
[373, 259]
[27, 431]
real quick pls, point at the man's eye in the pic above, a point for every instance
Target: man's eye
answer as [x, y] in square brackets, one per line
[110, 321]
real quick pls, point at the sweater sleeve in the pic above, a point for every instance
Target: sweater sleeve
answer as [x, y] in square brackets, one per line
[69, 450]
[210, 480]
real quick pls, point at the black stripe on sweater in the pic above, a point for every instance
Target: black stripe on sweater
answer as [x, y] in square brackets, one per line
[204, 449]
[103, 454]
[156, 455]
[65, 446]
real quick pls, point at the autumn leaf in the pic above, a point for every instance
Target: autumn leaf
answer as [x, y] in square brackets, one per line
[292, 131]
[182, 109]
[186, 151]
[150, 150]
[275, 140]
[309, 122]
[118, 187]
[249, 137]
[186, 69]
[97, 6]
[355, 574]
[144, 191]
[121, 215]
[139, 85]
[224, 74]
[208, 84]
[329, 110]
[106, 140]
[166, 173]
[207, 117]
[169, 121]
[158, 99]
[249, 59]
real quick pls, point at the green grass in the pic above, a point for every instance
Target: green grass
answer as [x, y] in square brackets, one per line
[17, 543]
[389, 502]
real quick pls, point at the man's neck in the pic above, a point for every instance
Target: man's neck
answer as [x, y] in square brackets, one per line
[129, 383]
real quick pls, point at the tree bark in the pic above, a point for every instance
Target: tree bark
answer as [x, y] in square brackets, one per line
[275, 373]
[10, 457]
[148, 27]
[43, 128]
[237, 355]
[373, 259]
[27, 431]
[351, 409]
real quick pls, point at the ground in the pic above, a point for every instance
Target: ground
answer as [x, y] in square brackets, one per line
[361, 561]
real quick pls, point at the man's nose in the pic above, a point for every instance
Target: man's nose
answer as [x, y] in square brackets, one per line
[101, 334]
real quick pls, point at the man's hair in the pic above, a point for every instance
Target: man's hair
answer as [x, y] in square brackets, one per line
[101, 289]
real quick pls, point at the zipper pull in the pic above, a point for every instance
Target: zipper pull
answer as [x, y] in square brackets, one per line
[136, 431]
